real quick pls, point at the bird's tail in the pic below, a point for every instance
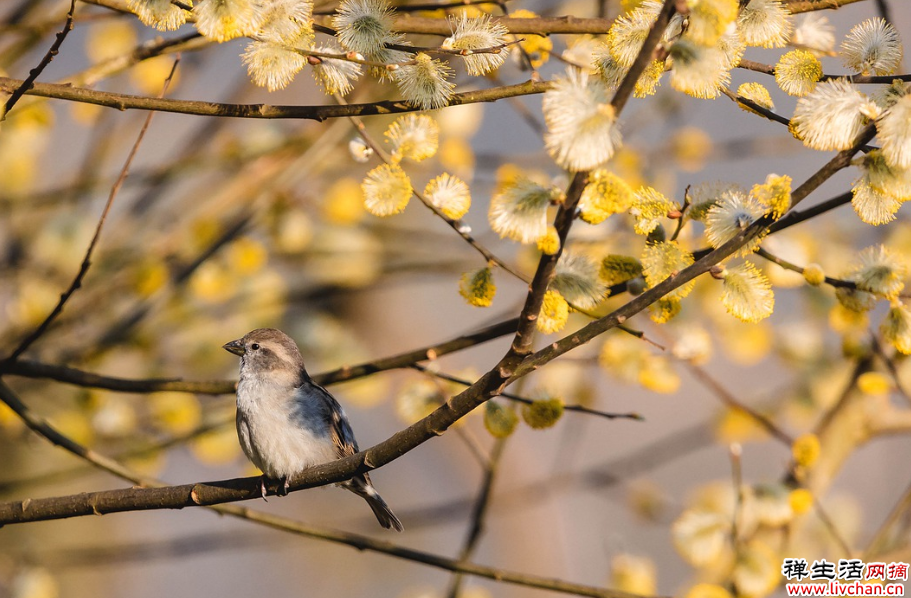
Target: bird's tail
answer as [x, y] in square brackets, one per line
[361, 486]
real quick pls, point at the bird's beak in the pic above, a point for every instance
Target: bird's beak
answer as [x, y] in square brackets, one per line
[236, 347]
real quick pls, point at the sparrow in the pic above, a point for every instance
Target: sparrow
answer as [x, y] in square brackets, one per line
[287, 423]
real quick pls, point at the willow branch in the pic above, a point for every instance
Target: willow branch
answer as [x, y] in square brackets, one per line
[525, 401]
[748, 103]
[68, 375]
[266, 111]
[880, 542]
[433, 26]
[702, 265]
[889, 362]
[798, 6]
[366, 543]
[769, 69]
[460, 228]
[797, 216]
[357, 541]
[834, 282]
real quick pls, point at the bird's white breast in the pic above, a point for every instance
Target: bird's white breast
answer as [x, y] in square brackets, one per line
[281, 430]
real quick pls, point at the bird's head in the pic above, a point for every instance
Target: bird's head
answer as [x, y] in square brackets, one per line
[267, 350]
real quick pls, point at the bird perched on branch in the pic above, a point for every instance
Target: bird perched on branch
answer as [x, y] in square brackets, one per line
[286, 422]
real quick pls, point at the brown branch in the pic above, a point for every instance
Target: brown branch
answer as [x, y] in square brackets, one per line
[132, 102]
[829, 524]
[525, 401]
[87, 259]
[68, 375]
[701, 266]
[862, 366]
[769, 69]
[797, 216]
[889, 362]
[149, 49]
[521, 345]
[834, 282]
[460, 228]
[732, 402]
[46, 60]
[478, 513]
[433, 26]
[108, 555]
[365, 543]
[145, 450]
[798, 6]
[879, 544]
[644, 58]
[97, 505]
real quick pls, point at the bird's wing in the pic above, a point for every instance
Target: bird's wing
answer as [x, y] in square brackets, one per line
[339, 428]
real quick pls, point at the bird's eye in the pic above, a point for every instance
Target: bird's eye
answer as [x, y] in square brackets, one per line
[255, 346]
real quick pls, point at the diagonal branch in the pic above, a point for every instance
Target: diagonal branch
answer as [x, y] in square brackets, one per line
[288, 525]
[460, 228]
[478, 513]
[87, 259]
[33, 74]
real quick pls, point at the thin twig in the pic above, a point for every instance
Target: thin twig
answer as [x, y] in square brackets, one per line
[768, 69]
[87, 259]
[890, 365]
[877, 544]
[527, 401]
[458, 226]
[834, 282]
[829, 524]
[146, 550]
[732, 402]
[797, 216]
[862, 366]
[478, 513]
[46, 60]
[735, 452]
[756, 107]
[68, 375]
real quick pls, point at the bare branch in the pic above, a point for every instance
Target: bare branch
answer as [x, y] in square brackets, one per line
[35, 72]
[133, 102]
[99, 503]
[798, 6]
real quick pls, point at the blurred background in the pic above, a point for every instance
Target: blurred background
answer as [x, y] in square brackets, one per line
[226, 225]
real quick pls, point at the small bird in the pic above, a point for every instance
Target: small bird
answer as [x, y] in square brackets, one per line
[286, 422]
